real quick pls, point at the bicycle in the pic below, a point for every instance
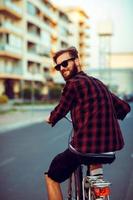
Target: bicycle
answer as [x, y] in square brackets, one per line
[86, 187]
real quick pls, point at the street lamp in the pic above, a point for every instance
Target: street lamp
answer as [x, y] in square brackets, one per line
[33, 84]
[105, 33]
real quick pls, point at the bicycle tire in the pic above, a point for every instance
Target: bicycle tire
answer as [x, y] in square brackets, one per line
[78, 183]
[75, 185]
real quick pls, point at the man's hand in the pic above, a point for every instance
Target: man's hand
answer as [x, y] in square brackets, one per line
[47, 119]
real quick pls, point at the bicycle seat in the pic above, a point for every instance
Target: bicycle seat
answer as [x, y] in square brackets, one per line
[104, 158]
[100, 155]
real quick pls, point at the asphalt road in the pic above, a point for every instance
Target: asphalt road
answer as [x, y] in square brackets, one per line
[27, 152]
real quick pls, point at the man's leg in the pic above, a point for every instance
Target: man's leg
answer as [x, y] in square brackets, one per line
[96, 170]
[62, 166]
[53, 189]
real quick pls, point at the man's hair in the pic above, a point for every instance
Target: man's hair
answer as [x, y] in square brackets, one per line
[71, 50]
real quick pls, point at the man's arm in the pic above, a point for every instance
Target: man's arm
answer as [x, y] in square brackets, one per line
[121, 107]
[64, 106]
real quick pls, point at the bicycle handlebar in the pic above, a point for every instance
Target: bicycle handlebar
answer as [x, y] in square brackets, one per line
[68, 119]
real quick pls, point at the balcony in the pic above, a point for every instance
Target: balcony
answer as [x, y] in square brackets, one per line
[34, 20]
[9, 8]
[47, 10]
[10, 52]
[48, 28]
[11, 70]
[40, 23]
[11, 27]
[33, 57]
[62, 23]
[49, 14]
[31, 37]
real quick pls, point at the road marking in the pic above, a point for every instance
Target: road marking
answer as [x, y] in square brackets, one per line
[7, 161]
[132, 155]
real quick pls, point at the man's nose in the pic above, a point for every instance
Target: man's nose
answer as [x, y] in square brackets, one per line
[61, 68]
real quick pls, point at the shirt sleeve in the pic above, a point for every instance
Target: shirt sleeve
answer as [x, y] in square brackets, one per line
[121, 107]
[65, 104]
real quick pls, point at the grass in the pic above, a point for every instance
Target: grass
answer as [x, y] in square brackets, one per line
[8, 111]
[35, 103]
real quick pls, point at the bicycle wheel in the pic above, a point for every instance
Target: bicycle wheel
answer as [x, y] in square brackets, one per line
[75, 185]
[78, 183]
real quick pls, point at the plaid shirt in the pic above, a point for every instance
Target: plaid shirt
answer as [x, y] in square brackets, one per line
[94, 112]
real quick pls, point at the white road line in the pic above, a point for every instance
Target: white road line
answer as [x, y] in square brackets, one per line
[7, 161]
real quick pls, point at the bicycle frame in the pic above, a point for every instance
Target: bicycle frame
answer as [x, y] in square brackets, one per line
[75, 185]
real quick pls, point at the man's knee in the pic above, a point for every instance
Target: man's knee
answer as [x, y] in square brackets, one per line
[55, 169]
[62, 166]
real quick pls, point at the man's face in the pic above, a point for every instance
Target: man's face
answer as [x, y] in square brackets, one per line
[70, 68]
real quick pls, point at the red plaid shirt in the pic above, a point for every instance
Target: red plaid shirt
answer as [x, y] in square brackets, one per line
[94, 112]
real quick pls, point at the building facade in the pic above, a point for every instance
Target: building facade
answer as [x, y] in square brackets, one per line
[76, 34]
[30, 32]
[81, 36]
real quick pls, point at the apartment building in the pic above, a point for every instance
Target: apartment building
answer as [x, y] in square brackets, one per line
[30, 32]
[62, 41]
[81, 34]
[11, 46]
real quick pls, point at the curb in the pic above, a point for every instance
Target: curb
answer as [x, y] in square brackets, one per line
[6, 127]
[11, 127]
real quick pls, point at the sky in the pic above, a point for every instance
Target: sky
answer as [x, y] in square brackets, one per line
[119, 12]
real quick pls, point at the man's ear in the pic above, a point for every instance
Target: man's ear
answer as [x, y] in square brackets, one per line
[77, 61]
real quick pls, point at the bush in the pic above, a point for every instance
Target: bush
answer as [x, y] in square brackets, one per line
[3, 99]
[55, 92]
[27, 93]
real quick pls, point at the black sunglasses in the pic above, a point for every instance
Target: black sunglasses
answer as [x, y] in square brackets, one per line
[63, 64]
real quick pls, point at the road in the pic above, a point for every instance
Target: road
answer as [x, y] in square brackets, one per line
[26, 153]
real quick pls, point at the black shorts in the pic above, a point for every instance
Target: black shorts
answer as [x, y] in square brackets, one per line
[64, 164]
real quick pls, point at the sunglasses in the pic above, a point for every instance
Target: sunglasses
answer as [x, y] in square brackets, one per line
[63, 64]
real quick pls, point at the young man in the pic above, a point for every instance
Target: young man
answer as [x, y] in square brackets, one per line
[94, 111]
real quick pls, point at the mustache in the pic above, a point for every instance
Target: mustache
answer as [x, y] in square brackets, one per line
[63, 70]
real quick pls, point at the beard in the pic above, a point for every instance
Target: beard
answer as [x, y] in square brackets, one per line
[72, 73]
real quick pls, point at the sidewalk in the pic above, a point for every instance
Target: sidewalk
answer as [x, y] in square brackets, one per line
[23, 116]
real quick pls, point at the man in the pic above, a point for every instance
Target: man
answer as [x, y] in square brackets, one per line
[94, 112]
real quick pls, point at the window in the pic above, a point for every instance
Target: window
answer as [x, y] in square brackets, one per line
[3, 38]
[31, 9]
[45, 38]
[15, 41]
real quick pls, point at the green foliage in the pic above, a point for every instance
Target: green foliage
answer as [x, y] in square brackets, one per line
[55, 92]
[28, 93]
[3, 99]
